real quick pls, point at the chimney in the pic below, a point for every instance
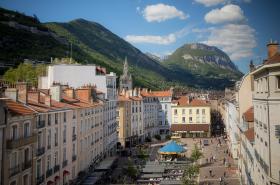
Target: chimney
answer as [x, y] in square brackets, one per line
[34, 96]
[252, 66]
[48, 100]
[56, 92]
[22, 92]
[69, 92]
[83, 94]
[11, 93]
[272, 48]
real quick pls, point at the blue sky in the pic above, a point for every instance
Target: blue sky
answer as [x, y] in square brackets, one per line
[239, 27]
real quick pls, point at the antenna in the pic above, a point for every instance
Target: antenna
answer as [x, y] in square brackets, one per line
[70, 52]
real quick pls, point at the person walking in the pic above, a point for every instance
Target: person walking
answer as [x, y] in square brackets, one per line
[210, 172]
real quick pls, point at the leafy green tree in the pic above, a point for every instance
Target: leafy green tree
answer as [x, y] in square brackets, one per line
[196, 154]
[189, 175]
[25, 73]
[131, 170]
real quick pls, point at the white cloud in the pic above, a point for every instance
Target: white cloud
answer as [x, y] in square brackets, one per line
[228, 13]
[161, 12]
[151, 39]
[157, 39]
[210, 2]
[236, 40]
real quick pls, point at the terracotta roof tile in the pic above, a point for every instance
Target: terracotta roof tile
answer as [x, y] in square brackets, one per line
[249, 115]
[16, 108]
[185, 101]
[250, 134]
[274, 59]
[156, 93]
[190, 127]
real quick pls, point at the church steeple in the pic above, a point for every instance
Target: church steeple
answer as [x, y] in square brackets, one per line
[125, 78]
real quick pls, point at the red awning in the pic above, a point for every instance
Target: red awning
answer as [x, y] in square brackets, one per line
[50, 183]
[65, 172]
[56, 178]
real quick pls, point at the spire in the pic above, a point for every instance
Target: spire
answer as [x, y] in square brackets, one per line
[125, 67]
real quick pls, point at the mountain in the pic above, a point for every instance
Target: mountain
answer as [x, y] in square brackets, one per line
[201, 64]
[24, 37]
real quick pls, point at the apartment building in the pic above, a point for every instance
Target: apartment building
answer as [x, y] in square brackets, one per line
[130, 118]
[90, 75]
[266, 102]
[190, 117]
[151, 107]
[19, 140]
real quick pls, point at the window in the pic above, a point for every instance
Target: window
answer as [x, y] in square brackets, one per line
[56, 118]
[64, 154]
[64, 134]
[49, 138]
[26, 131]
[49, 119]
[26, 155]
[13, 162]
[176, 120]
[190, 119]
[38, 168]
[49, 162]
[278, 82]
[203, 119]
[203, 111]
[14, 132]
[175, 111]
[183, 111]
[56, 136]
[197, 111]
[25, 180]
[190, 111]
[184, 119]
[64, 117]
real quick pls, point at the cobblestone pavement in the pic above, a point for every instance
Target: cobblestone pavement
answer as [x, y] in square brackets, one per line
[217, 153]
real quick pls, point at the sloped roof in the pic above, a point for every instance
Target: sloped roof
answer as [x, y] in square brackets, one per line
[250, 134]
[123, 98]
[172, 147]
[249, 115]
[273, 60]
[185, 101]
[16, 108]
[156, 93]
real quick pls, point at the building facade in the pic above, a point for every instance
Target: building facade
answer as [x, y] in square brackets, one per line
[266, 102]
[190, 117]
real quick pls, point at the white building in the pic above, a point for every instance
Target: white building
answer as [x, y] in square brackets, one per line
[266, 102]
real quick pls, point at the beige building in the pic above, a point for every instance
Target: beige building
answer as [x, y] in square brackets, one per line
[19, 140]
[190, 117]
[266, 102]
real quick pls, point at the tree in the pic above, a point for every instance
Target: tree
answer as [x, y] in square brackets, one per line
[131, 170]
[189, 175]
[25, 73]
[196, 154]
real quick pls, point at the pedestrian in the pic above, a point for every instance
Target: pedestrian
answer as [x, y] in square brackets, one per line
[207, 160]
[225, 174]
[210, 172]
[214, 158]
[224, 161]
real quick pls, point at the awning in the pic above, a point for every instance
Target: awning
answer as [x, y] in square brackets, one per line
[65, 172]
[50, 183]
[56, 178]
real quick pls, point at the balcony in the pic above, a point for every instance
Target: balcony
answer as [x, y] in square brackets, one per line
[74, 157]
[13, 171]
[64, 163]
[40, 179]
[40, 151]
[12, 144]
[26, 165]
[74, 137]
[40, 124]
[56, 168]
[49, 172]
